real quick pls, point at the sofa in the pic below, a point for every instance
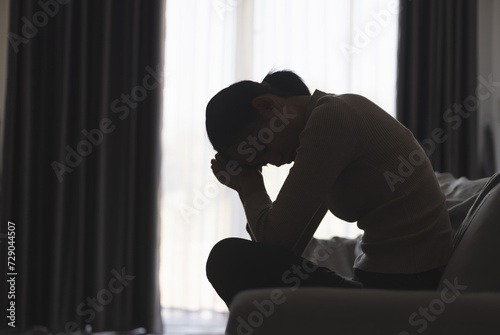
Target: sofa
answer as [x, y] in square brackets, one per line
[467, 300]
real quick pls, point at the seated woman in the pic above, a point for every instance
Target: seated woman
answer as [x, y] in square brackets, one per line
[351, 158]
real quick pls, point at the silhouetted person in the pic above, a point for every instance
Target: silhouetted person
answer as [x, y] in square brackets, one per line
[351, 158]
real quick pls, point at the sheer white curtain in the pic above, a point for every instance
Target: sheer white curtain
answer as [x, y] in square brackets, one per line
[337, 46]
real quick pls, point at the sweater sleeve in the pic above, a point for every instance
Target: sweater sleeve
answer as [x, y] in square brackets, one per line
[328, 144]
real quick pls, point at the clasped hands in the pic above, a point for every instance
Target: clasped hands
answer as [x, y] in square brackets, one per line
[235, 176]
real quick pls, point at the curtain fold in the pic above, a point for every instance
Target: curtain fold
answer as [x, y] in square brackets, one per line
[81, 164]
[437, 96]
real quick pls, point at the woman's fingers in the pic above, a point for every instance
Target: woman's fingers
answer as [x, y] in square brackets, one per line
[218, 166]
[220, 159]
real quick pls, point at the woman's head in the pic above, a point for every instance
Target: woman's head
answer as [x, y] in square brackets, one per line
[240, 112]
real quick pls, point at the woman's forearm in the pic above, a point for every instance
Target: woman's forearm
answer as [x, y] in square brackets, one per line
[251, 186]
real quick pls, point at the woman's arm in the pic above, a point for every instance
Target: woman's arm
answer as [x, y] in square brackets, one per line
[328, 144]
[310, 230]
[308, 233]
[249, 183]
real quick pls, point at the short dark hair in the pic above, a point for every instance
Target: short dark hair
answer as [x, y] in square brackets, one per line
[231, 110]
[287, 81]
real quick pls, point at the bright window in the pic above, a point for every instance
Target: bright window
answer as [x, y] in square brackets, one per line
[337, 46]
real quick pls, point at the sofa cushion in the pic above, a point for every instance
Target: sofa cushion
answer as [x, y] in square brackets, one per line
[474, 262]
[329, 311]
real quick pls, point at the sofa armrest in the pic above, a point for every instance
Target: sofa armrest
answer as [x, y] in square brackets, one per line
[451, 310]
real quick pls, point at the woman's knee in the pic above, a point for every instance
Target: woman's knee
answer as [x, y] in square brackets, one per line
[223, 255]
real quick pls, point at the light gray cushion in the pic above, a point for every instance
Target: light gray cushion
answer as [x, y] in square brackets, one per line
[337, 254]
[460, 194]
[457, 190]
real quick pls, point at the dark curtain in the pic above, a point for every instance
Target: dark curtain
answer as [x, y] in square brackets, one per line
[81, 164]
[437, 80]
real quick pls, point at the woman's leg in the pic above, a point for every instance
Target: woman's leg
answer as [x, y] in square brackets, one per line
[236, 264]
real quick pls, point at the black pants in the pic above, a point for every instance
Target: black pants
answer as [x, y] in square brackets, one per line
[235, 265]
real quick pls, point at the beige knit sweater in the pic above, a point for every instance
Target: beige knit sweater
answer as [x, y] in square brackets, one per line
[360, 163]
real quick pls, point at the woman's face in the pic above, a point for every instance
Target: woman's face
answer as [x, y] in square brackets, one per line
[273, 139]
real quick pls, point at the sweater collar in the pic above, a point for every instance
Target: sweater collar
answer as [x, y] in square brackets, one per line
[313, 102]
